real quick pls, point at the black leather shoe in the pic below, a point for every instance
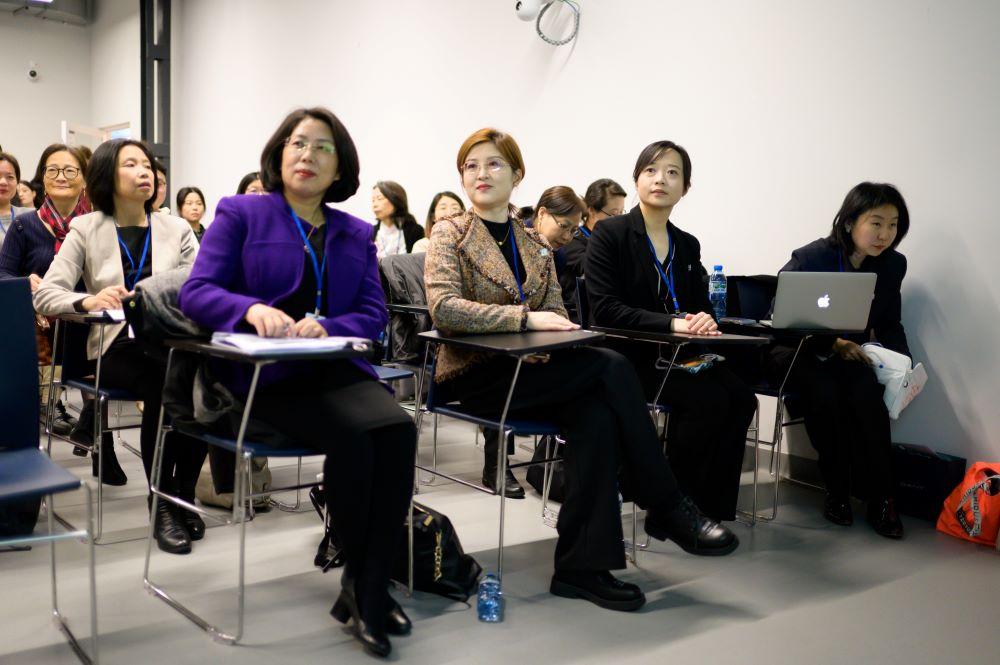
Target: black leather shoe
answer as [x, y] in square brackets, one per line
[372, 638]
[599, 587]
[691, 530]
[884, 519]
[171, 536]
[838, 510]
[83, 431]
[193, 524]
[396, 621]
[513, 488]
[63, 424]
[111, 471]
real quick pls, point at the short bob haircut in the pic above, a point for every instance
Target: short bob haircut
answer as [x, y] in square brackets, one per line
[654, 151]
[50, 150]
[102, 174]
[245, 182]
[7, 157]
[861, 199]
[347, 154]
[183, 194]
[505, 143]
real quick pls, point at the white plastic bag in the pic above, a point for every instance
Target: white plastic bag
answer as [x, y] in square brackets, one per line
[896, 372]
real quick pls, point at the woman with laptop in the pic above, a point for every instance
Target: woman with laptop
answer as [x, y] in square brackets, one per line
[645, 274]
[845, 415]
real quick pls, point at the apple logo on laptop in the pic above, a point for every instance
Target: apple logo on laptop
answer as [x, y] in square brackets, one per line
[823, 302]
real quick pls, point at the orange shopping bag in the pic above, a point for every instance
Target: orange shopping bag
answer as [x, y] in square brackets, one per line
[972, 510]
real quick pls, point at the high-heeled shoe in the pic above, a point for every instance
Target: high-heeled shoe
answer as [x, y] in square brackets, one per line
[372, 638]
[396, 621]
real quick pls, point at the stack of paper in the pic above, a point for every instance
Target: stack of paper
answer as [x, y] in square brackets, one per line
[252, 344]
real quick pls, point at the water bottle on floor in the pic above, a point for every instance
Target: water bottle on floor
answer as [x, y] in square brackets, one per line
[490, 605]
[717, 292]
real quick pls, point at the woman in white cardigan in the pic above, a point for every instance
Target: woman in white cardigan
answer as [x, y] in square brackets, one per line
[112, 249]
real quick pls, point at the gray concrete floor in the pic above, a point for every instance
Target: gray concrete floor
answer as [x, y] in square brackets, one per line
[799, 590]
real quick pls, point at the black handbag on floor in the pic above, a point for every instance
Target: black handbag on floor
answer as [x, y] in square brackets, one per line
[536, 474]
[924, 478]
[18, 518]
[439, 564]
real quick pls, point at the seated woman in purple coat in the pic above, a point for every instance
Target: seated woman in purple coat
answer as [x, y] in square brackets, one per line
[286, 264]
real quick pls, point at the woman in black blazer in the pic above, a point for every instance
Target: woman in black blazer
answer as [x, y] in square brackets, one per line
[644, 273]
[845, 414]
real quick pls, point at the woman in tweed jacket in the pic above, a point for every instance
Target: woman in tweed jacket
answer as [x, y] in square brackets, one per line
[485, 272]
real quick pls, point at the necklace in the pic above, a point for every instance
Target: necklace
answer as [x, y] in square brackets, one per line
[501, 242]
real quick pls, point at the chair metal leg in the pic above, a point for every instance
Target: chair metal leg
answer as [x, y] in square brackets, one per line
[88, 537]
[501, 481]
[238, 518]
[294, 507]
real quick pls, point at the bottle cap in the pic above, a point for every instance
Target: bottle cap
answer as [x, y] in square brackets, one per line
[717, 268]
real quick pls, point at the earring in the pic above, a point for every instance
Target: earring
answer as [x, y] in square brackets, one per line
[848, 227]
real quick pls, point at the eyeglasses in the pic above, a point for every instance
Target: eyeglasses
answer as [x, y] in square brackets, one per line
[567, 226]
[299, 146]
[610, 214]
[492, 165]
[52, 172]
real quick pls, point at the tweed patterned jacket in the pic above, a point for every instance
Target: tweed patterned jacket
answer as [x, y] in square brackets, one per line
[471, 289]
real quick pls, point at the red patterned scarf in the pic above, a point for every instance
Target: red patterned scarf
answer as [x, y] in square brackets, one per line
[58, 223]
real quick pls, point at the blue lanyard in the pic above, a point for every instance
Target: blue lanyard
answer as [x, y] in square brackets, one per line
[517, 272]
[840, 261]
[137, 272]
[667, 280]
[585, 231]
[318, 269]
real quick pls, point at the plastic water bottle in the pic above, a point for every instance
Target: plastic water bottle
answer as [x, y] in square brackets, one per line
[490, 605]
[717, 292]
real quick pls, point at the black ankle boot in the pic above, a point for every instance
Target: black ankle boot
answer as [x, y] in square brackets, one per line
[372, 637]
[192, 521]
[83, 430]
[111, 470]
[63, 423]
[171, 536]
[491, 440]
[884, 518]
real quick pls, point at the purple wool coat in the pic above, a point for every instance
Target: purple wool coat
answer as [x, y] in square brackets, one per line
[252, 253]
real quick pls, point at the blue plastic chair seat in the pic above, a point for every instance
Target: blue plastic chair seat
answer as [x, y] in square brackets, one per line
[111, 394]
[392, 373]
[27, 473]
[518, 426]
[258, 449]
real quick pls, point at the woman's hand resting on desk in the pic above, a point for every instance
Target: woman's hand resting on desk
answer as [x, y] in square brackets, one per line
[848, 350]
[549, 321]
[308, 327]
[268, 321]
[108, 298]
[697, 324]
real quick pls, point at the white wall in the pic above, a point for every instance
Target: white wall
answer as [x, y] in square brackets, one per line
[115, 65]
[32, 111]
[784, 105]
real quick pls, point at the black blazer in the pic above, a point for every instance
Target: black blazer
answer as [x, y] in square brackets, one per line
[570, 261]
[884, 322]
[412, 232]
[624, 286]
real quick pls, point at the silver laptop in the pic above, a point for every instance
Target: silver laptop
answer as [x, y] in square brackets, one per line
[823, 300]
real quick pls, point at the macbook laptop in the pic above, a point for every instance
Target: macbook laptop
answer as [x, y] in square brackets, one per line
[823, 300]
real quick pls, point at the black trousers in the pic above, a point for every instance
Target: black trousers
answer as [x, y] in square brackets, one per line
[847, 422]
[595, 396]
[706, 439]
[127, 367]
[369, 443]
